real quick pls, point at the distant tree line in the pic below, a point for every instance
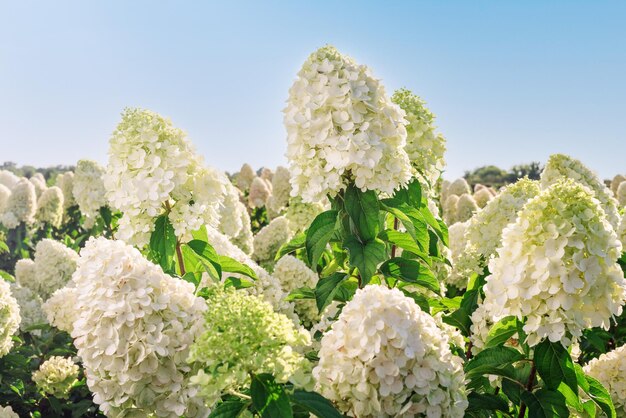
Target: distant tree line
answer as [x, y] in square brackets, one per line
[49, 173]
[493, 176]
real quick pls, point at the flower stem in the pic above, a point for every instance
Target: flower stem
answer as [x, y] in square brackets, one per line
[529, 387]
[181, 261]
[395, 228]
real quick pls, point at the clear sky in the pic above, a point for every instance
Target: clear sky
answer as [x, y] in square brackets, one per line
[510, 82]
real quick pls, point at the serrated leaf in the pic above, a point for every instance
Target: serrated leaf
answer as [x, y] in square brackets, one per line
[315, 403]
[293, 245]
[410, 271]
[300, 294]
[229, 409]
[486, 401]
[406, 242]
[554, 365]
[545, 403]
[362, 208]
[365, 256]
[501, 331]
[163, 243]
[318, 235]
[269, 397]
[208, 257]
[326, 289]
[233, 266]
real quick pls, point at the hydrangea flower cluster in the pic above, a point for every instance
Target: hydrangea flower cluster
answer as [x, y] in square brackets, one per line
[60, 308]
[231, 221]
[56, 376]
[342, 128]
[293, 274]
[300, 214]
[268, 240]
[457, 188]
[265, 286]
[557, 266]
[563, 166]
[9, 317]
[152, 165]
[65, 182]
[39, 182]
[621, 194]
[260, 192]
[21, 205]
[5, 193]
[52, 268]
[384, 357]
[610, 369]
[242, 334]
[245, 240]
[466, 207]
[424, 146]
[50, 207]
[281, 190]
[88, 189]
[31, 312]
[8, 179]
[482, 197]
[7, 412]
[484, 230]
[135, 328]
[244, 178]
[621, 230]
[457, 242]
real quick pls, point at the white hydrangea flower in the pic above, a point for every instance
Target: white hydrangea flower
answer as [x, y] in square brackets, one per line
[300, 214]
[621, 194]
[384, 357]
[9, 317]
[50, 207]
[266, 286]
[259, 193]
[56, 376]
[466, 207]
[244, 178]
[8, 179]
[342, 128]
[617, 180]
[449, 209]
[135, 328]
[65, 182]
[7, 412]
[458, 187]
[425, 147]
[482, 197]
[621, 230]
[21, 205]
[457, 242]
[54, 265]
[484, 230]
[562, 166]
[270, 238]
[5, 193]
[267, 174]
[30, 306]
[610, 369]
[25, 274]
[39, 182]
[60, 308]
[293, 274]
[88, 189]
[151, 165]
[245, 239]
[557, 266]
[230, 211]
[281, 190]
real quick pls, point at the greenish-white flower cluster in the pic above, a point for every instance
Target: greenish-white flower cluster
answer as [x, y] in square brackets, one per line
[152, 165]
[50, 207]
[9, 317]
[242, 335]
[31, 312]
[281, 190]
[56, 376]
[610, 369]
[65, 182]
[7, 412]
[384, 357]
[561, 166]
[21, 205]
[557, 266]
[88, 189]
[293, 274]
[300, 214]
[268, 240]
[425, 147]
[342, 128]
[134, 331]
[60, 308]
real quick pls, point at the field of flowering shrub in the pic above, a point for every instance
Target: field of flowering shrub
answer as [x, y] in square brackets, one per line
[355, 282]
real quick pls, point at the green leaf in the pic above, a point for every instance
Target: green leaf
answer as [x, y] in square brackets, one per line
[6, 276]
[163, 243]
[315, 403]
[501, 331]
[326, 289]
[571, 398]
[486, 401]
[545, 403]
[208, 257]
[363, 207]
[404, 241]
[418, 228]
[601, 397]
[420, 300]
[237, 283]
[496, 356]
[193, 278]
[365, 256]
[107, 217]
[411, 194]
[229, 409]
[318, 235]
[410, 271]
[233, 266]
[201, 234]
[554, 365]
[296, 243]
[301, 293]
[269, 398]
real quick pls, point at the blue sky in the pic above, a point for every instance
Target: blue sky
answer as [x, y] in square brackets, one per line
[510, 82]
